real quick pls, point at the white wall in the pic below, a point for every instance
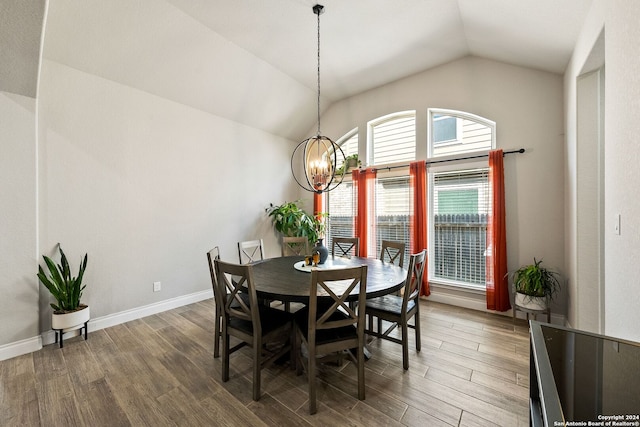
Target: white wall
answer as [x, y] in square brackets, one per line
[619, 19]
[141, 182]
[527, 107]
[146, 186]
[18, 283]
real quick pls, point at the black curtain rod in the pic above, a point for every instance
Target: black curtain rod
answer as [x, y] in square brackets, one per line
[521, 150]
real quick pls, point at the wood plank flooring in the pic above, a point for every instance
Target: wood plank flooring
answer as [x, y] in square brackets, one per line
[473, 370]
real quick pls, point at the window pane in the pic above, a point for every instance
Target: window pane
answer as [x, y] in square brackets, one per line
[394, 140]
[340, 205]
[393, 206]
[457, 134]
[460, 207]
[445, 128]
[349, 146]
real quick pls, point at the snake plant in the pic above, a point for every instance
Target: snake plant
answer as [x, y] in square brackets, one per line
[66, 289]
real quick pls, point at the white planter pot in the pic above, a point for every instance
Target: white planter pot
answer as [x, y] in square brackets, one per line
[70, 321]
[531, 303]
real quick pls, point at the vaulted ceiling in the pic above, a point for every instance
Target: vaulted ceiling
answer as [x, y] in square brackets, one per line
[254, 61]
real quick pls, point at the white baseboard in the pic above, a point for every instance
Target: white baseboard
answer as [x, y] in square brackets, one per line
[458, 300]
[18, 348]
[30, 345]
[472, 302]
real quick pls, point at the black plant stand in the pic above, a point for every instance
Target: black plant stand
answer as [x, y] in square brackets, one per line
[61, 332]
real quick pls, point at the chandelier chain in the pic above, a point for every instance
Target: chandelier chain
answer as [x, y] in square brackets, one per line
[318, 72]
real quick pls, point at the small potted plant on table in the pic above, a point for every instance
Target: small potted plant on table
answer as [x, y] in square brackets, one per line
[68, 312]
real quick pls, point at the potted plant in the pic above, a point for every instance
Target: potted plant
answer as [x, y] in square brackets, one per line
[535, 286]
[68, 312]
[350, 162]
[290, 220]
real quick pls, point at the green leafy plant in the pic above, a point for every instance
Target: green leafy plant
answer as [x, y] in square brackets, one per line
[536, 281]
[349, 162]
[66, 290]
[290, 220]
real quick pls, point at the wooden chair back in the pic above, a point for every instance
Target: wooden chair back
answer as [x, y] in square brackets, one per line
[250, 251]
[295, 246]
[393, 252]
[413, 283]
[345, 246]
[337, 284]
[212, 256]
[233, 280]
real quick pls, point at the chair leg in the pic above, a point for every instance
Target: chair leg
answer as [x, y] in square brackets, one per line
[216, 334]
[405, 345]
[312, 380]
[293, 352]
[257, 362]
[361, 371]
[225, 354]
[416, 320]
[298, 352]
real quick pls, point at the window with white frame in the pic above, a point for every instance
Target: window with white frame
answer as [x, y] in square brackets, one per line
[456, 132]
[392, 203]
[392, 138]
[349, 145]
[340, 201]
[458, 198]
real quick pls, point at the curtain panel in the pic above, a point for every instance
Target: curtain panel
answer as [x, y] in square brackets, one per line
[418, 221]
[364, 182]
[496, 270]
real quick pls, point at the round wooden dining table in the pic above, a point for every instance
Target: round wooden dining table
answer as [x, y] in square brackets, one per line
[279, 279]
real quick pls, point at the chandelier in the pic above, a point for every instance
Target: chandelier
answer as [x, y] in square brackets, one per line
[319, 154]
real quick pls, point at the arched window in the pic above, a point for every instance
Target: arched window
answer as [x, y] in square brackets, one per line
[458, 197]
[457, 132]
[392, 138]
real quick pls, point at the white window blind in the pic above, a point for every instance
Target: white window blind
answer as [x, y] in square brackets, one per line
[341, 207]
[393, 138]
[349, 145]
[392, 211]
[460, 212]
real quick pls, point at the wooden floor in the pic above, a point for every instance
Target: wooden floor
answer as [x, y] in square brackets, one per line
[473, 370]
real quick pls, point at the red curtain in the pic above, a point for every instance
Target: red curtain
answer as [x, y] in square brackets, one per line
[364, 182]
[418, 221]
[497, 281]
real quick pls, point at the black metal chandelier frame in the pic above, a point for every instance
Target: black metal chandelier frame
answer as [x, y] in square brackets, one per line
[320, 154]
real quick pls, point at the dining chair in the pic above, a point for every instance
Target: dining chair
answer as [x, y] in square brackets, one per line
[392, 252]
[330, 326]
[250, 251]
[400, 309]
[343, 246]
[253, 324]
[295, 246]
[212, 255]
